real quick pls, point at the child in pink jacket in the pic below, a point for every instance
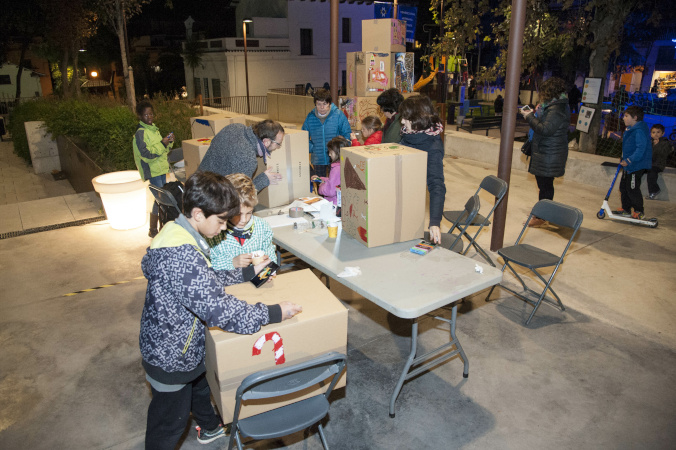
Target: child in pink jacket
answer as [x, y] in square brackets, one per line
[328, 185]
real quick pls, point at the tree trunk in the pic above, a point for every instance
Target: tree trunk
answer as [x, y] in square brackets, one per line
[75, 84]
[65, 86]
[24, 48]
[119, 28]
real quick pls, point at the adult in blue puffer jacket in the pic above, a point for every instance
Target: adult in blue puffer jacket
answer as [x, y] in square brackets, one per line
[324, 123]
[637, 158]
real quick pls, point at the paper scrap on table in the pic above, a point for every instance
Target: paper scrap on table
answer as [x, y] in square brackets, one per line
[350, 272]
[283, 220]
[478, 268]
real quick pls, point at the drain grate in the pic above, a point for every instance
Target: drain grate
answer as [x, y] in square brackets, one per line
[74, 223]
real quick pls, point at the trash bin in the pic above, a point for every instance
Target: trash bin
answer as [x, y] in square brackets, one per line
[124, 198]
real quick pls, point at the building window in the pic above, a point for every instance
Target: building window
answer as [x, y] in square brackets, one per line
[306, 41]
[5, 79]
[216, 87]
[343, 86]
[198, 87]
[347, 30]
[206, 88]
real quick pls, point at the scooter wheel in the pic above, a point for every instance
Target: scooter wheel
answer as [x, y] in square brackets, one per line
[601, 214]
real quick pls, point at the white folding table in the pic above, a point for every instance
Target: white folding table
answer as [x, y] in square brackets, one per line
[403, 283]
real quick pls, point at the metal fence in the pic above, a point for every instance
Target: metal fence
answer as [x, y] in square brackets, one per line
[7, 103]
[258, 104]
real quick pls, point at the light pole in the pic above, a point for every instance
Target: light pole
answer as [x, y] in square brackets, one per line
[246, 66]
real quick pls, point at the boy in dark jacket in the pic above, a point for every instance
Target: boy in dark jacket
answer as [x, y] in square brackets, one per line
[184, 296]
[637, 157]
[661, 150]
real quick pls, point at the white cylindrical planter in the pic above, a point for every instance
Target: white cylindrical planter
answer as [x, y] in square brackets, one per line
[124, 198]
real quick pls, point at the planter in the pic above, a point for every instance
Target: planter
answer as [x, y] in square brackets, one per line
[124, 198]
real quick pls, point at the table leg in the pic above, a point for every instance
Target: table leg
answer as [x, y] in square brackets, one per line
[431, 361]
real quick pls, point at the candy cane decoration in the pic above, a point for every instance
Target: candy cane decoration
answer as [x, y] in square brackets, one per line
[278, 348]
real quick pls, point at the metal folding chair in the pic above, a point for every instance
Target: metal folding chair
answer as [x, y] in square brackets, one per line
[165, 198]
[280, 382]
[452, 241]
[497, 188]
[533, 258]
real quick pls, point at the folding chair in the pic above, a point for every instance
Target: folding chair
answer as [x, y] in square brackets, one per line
[452, 241]
[533, 258]
[168, 204]
[280, 382]
[497, 188]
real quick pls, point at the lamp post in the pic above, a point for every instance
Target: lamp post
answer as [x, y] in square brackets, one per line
[246, 67]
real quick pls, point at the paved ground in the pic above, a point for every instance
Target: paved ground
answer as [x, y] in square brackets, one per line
[599, 375]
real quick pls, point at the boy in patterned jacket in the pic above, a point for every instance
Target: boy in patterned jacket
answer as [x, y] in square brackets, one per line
[184, 296]
[245, 234]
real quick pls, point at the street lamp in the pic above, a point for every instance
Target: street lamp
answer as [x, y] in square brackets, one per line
[246, 67]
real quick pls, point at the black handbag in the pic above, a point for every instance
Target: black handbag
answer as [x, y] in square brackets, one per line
[527, 148]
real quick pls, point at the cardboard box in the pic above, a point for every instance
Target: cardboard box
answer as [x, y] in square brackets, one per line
[193, 154]
[356, 108]
[383, 35]
[319, 329]
[355, 74]
[383, 193]
[403, 72]
[293, 162]
[208, 126]
[379, 73]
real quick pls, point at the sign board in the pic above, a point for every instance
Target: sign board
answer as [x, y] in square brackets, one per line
[591, 90]
[383, 10]
[584, 119]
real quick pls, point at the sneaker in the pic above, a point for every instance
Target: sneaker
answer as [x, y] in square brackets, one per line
[653, 196]
[152, 233]
[637, 215]
[204, 437]
[621, 212]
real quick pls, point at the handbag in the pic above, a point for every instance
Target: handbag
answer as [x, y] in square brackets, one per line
[527, 148]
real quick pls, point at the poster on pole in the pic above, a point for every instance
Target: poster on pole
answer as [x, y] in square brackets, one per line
[383, 10]
[591, 90]
[584, 119]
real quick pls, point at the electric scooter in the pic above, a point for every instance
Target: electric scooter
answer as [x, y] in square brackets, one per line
[606, 212]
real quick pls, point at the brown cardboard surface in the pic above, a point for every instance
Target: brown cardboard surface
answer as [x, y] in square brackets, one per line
[379, 73]
[215, 123]
[357, 108]
[355, 73]
[383, 35]
[383, 193]
[193, 153]
[319, 329]
[292, 161]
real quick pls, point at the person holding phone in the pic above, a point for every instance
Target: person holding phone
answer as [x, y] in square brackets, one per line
[549, 138]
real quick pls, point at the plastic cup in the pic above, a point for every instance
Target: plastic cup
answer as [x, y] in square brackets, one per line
[333, 230]
[257, 257]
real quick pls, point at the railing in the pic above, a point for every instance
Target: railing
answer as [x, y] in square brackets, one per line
[7, 103]
[258, 104]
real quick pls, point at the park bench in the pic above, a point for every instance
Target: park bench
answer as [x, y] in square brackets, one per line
[480, 123]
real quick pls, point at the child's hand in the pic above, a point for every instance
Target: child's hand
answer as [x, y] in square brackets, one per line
[274, 177]
[353, 136]
[290, 309]
[435, 235]
[316, 179]
[261, 266]
[241, 261]
[171, 137]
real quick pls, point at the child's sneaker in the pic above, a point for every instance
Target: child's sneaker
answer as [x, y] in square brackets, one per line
[204, 437]
[621, 212]
[637, 215]
[653, 196]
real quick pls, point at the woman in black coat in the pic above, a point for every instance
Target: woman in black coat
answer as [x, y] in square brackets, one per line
[550, 138]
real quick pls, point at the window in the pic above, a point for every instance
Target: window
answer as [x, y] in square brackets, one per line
[216, 87]
[206, 88]
[306, 41]
[198, 88]
[347, 30]
[343, 87]
[5, 79]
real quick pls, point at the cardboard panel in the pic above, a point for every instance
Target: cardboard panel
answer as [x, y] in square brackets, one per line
[383, 35]
[208, 126]
[357, 108]
[379, 73]
[320, 328]
[193, 153]
[383, 193]
[355, 74]
[293, 162]
[403, 72]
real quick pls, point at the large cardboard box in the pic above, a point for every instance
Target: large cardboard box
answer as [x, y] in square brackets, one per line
[403, 72]
[379, 73]
[383, 193]
[355, 74]
[293, 162]
[208, 126]
[383, 35]
[319, 329]
[193, 153]
[356, 108]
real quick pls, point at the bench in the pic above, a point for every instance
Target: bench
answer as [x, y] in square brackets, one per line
[480, 123]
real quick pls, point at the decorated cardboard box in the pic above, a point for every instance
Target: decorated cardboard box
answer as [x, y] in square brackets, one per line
[319, 329]
[383, 193]
[293, 162]
[208, 126]
[193, 153]
[383, 35]
[356, 108]
[355, 74]
[403, 72]
[379, 73]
